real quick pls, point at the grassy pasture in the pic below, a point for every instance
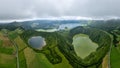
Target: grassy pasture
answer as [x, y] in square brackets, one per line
[7, 57]
[20, 43]
[115, 56]
[7, 61]
[5, 45]
[64, 63]
[29, 55]
[39, 60]
[36, 60]
[21, 47]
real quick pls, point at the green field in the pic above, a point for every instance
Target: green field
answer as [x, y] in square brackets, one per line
[21, 46]
[51, 56]
[115, 57]
[7, 61]
[28, 58]
[38, 60]
[83, 45]
[7, 56]
[20, 43]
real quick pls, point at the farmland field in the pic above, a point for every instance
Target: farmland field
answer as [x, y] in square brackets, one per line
[7, 61]
[115, 56]
[38, 60]
[7, 57]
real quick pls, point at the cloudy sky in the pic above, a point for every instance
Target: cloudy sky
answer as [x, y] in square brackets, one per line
[31, 9]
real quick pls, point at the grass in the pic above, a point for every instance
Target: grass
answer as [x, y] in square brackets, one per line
[5, 45]
[64, 63]
[5, 41]
[8, 49]
[7, 61]
[21, 47]
[1, 42]
[20, 43]
[29, 59]
[12, 35]
[22, 60]
[105, 61]
[42, 61]
[7, 58]
[83, 45]
[39, 60]
[115, 56]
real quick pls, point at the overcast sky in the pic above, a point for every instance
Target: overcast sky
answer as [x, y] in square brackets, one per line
[29, 9]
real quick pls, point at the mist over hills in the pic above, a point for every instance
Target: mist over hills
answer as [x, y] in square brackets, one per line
[40, 24]
[51, 24]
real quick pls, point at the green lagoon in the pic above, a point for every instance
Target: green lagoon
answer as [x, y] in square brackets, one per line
[83, 45]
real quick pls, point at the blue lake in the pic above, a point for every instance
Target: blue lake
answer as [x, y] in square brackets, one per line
[37, 42]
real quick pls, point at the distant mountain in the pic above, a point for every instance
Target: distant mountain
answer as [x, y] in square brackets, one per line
[50, 24]
[39, 24]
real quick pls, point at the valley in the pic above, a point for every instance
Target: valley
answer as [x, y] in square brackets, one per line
[88, 45]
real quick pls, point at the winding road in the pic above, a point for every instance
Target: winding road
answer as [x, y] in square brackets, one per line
[109, 57]
[16, 47]
[109, 63]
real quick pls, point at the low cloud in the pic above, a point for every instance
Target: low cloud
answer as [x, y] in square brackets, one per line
[28, 9]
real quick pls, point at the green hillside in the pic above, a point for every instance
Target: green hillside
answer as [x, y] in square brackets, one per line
[60, 50]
